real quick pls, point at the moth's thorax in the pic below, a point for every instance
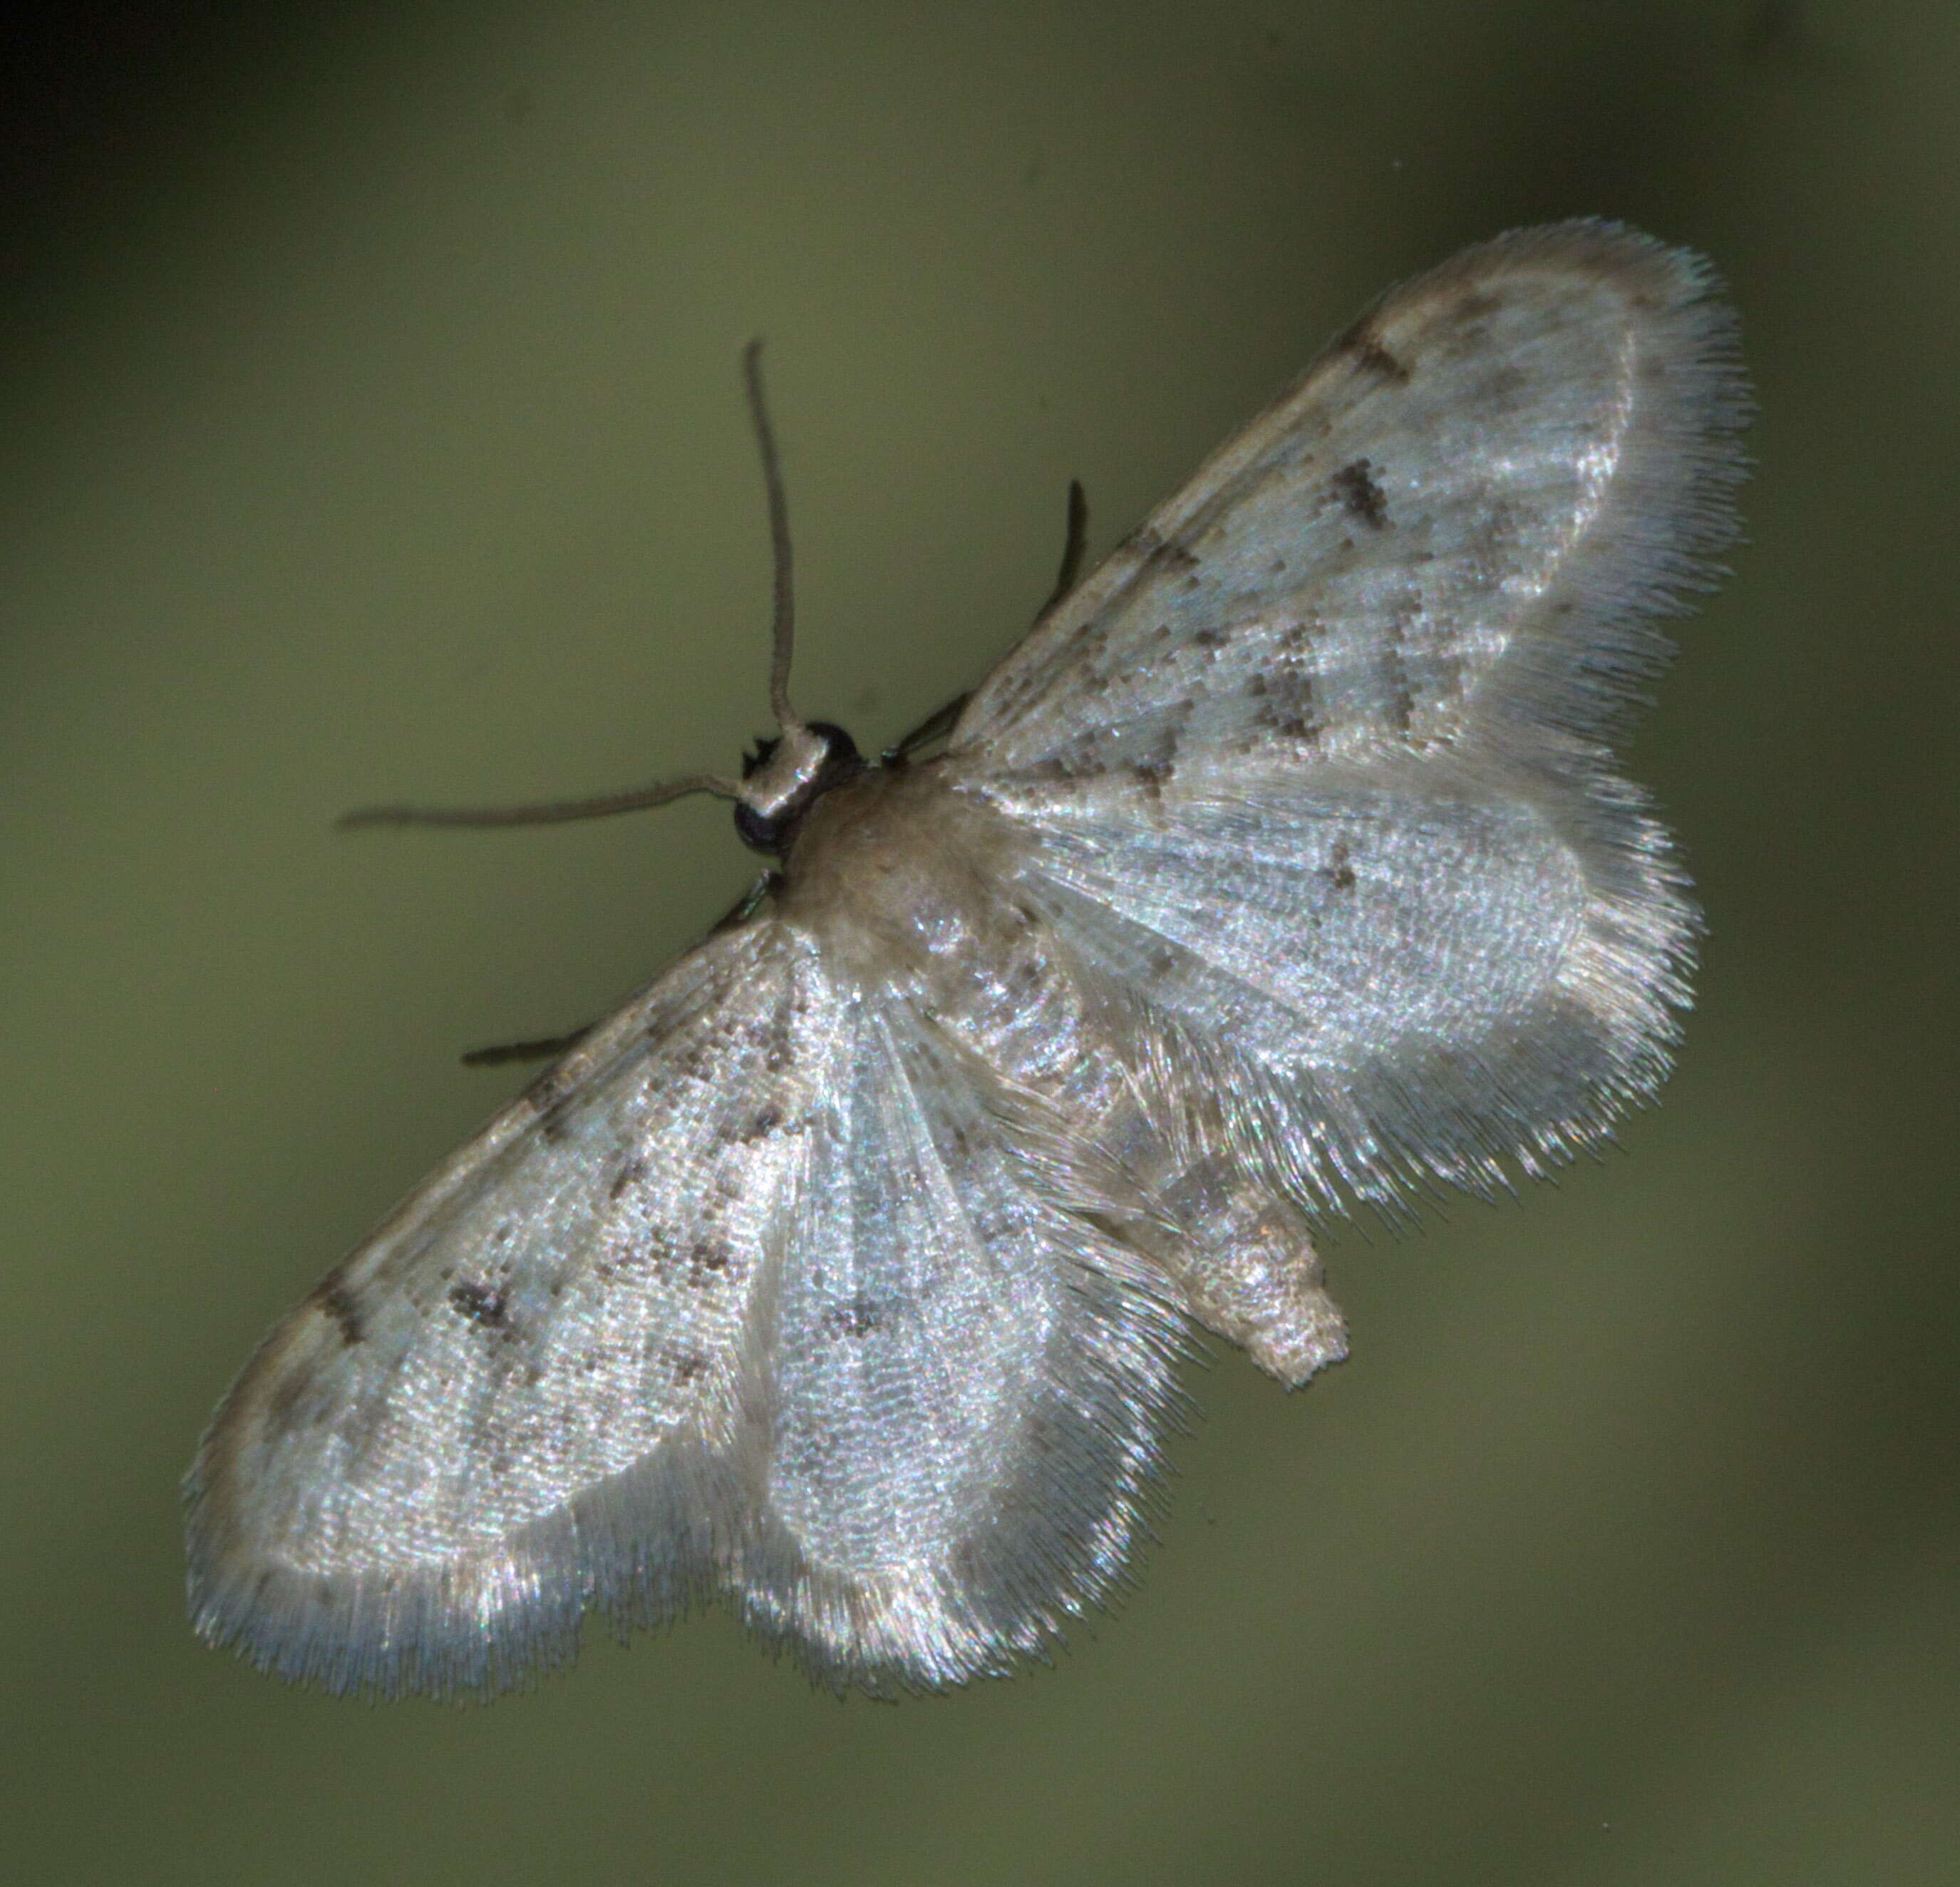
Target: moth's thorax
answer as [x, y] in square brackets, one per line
[886, 869]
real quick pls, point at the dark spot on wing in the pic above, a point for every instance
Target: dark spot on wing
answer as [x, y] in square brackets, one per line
[1337, 871]
[656, 1256]
[1150, 775]
[1504, 386]
[283, 1398]
[628, 1175]
[1361, 495]
[335, 1301]
[1287, 705]
[550, 1096]
[766, 1122]
[1023, 981]
[1463, 326]
[1066, 767]
[859, 1318]
[708, 1258]
[1363, 345]
[483, 1304]
[1401, 703]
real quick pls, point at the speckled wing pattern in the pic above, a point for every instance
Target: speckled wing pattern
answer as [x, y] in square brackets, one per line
[746, 1297]
[841, 1273]
[1319, 762]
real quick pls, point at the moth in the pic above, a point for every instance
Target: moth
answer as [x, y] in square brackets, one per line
[1285, 866]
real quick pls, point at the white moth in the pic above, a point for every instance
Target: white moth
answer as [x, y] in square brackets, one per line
[1286, 864]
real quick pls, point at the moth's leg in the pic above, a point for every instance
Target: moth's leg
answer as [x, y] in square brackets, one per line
[540, 1048]
[938, 722]
[543, 1048]
[744, 907]
[1075, 543]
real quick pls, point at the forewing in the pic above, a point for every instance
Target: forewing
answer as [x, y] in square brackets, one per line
[1464, 515]
[520, 1396]
[967, 1384]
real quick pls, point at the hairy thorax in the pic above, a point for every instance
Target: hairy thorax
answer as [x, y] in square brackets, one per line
[900, 875]
[915, 889]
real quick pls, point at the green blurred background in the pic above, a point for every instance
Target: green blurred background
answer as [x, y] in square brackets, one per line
[373, 429]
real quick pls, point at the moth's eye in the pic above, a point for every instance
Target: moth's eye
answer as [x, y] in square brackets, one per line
[841, 760]
[771, 831]
[757, 833]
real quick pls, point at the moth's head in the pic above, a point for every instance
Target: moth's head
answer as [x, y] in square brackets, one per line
[782, 778]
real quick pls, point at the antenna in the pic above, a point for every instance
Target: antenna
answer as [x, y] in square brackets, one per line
[783, 629]
[793, 762]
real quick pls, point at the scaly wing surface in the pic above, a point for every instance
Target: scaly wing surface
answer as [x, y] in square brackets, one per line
[746, 1297]
[1320, 763]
